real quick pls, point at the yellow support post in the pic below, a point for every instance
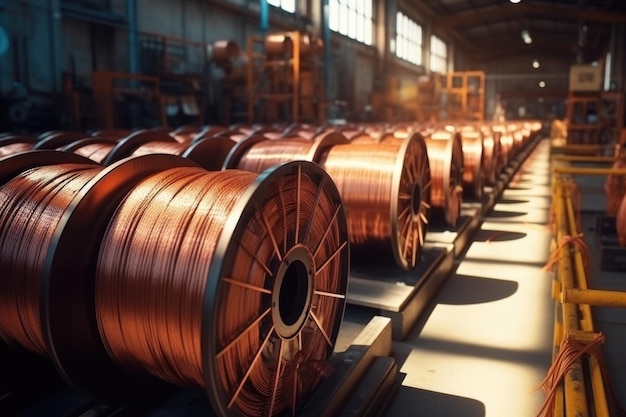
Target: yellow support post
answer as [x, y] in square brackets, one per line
[564, 169]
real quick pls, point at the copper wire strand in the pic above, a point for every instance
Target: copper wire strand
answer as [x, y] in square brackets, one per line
[446, 196]
[95, 151]
[15, 148]
[364, 174]
[31, 206]
[152, 274]
[267, 153]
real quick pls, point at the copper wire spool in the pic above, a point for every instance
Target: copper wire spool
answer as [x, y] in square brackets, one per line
[210, 153]
[96, 149]
[445, 153]
[187, 245]
[615, 189]
[209, 131]
[13, 144]
[185, 134]
[258, 153]
[491, 154]
[506, 144]
[473, 164]
[143, 143]
[32, 205]
[386, 190]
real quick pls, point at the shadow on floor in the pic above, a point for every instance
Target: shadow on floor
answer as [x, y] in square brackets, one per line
[464, 290]
[418, 402]
[506, 214]
[512, 201]
[487, 235]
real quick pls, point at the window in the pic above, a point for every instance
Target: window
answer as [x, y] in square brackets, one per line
[408, 39]
[352, 18]
[438, 55]
[286, 5]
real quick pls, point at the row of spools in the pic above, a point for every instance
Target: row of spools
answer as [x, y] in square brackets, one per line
[218, 257]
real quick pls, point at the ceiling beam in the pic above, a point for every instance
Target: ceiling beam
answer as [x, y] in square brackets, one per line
[497, 13]
[491, 53]
[450, 31]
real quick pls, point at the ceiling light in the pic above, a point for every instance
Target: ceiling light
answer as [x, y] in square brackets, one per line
[526, 37]
[515, 1]
[535, 63]
[542, 84]
[541, 100]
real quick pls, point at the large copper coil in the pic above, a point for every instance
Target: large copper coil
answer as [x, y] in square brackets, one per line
[209, 131]
[473, 163]
[96, 149]
[362, 137]
[445, 153]
[143, 143]
[258, 153]
[278, 45]
[186, 245]
[223, 51]
[491, 155]
[32, 205]
[185, 134]
[507, 143]
[615, 189]
[386, 190]
[13, 144]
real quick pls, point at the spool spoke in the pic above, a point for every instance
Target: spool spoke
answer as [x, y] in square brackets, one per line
[269, 232]
[245, 331]
[420, 230]
[407, 237]
[298, 185]
[403, 196]
[319, 326]
[423, 218]
[329, 294]
[325, 264]
[425, 204]
[404, 212]
[294, 397]
[427, 185]
[246, 285]
[330, 223]
[276, 377]
[313, 210]
[282, 203]
[416, 234]
[250, 368]
[256, 258]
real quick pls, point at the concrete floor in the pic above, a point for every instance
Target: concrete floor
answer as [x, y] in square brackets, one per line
[485, 342]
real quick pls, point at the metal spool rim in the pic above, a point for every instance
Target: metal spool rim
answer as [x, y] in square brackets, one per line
[58, 140]
[13, 139]
[255, 195]
[128, 145]
[322, 143]
[399, 170]
[86, 141]
[68, 279]
[210, 153]
[240, 149]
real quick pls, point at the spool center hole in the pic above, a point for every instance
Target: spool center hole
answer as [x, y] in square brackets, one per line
[416, 199]
[293, 293]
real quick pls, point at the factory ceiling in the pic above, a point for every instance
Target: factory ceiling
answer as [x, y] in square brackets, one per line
[493, 29]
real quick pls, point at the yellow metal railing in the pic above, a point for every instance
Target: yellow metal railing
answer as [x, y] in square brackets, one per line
[574, 299]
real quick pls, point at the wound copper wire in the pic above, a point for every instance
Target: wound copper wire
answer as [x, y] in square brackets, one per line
[31, 206]
[615, 189]
[153, 269]
[386, 189]
[445, 154]
[491, 154]
[267, 153]
[14, 148]
[473, 164]
[95, 151]
[171, 148]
